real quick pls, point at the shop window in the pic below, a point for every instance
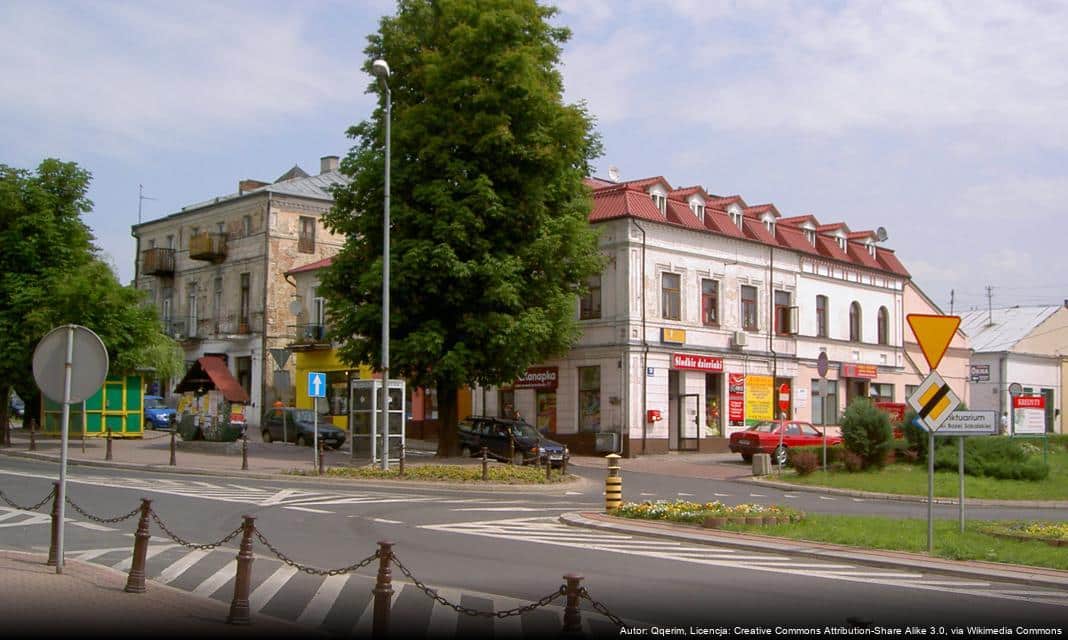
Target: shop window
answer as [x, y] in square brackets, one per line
[671, 296]
[337, 396]
[749, 308]
[590, 302]
[506, 403]
[589, 398]
[824, 405]
[709, 303]
[881, 392]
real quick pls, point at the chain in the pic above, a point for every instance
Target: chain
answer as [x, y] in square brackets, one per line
[600, 608]
[34, 507]
[467, 611]
[312, 570]
[103, 520]
[204, 547]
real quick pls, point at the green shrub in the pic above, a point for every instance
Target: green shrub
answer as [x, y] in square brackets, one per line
[993, 457]
[852, 462]
[834, 453]
[805, 462]
[866, 431]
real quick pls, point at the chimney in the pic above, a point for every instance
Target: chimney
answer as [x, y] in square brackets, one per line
[327, 164]
[244, 186]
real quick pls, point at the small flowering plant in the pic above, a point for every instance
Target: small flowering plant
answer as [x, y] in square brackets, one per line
[1049, 530]
[696, 512]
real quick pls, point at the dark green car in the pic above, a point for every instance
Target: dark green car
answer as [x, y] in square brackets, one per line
[289, 424]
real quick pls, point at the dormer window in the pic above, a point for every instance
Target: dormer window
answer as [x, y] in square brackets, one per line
[810, 235]
[736, 216]
[769, 224]
[841, 242]
[871, 249]
[698, 210]
[660, 200]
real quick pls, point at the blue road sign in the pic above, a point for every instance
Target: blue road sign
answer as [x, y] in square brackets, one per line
[316, 384]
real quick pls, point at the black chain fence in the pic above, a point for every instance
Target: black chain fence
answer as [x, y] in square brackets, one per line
[35, 507]
[102, 520]
[190, 545]
[467, 611]
[600, 608]
[312, 570]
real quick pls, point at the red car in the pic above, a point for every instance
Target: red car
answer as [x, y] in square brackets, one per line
[764, 438]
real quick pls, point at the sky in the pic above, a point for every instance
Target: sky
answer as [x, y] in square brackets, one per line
[944, 122]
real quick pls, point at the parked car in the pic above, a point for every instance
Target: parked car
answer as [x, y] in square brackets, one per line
[18, 407]
[509, 440]
[764, 438]
[289, 424]
[157, 414]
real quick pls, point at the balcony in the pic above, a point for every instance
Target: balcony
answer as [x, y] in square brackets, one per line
[180, 328]
[157, 262]
[306, 243]
[308, 337]
[208, 246]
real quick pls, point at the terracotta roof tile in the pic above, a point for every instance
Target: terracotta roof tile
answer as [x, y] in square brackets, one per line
[829, 248]
[720, 202]
[681, 214]
[311, 266]
[719, 222]
[755, 229]
[859, 253]
[794, 239]
[797, 221]
[890, 262]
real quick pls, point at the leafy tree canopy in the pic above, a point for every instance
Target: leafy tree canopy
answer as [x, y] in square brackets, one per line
[489, 235]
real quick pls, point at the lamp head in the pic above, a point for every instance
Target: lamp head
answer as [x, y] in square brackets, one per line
[380, 68]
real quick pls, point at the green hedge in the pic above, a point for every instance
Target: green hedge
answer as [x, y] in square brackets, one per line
[993, 457]
[834, 453]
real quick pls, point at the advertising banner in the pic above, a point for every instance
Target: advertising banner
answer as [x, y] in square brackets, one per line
[736, 401]
[693, 362]
[759, 396]
[538, 378]
[1030, 415]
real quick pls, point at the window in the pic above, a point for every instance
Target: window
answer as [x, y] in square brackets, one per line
[736, 217]
[769, 224]
[244, 373]
[506, 403]
[842, 243]
[165, 311]
[306, 237]
[318, 311]
[170, 242]
[824, 404]
[590, 302]
[243, 320]
[854, 322]
[152, 244]
[660, 201]
[216, 303]
[881, 392]
[246, 226]
[589, 398]
[821, 316]
[220, 227]
[810, 235]
[191, 295]
[749, 308]
[911, 389]
[782, 312]
[698, 210]
[709, 303]
[884, 326]
[670, 296]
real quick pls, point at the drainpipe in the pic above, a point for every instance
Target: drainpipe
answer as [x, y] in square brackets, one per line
[771, 323]
[645, 350]
[265, 368]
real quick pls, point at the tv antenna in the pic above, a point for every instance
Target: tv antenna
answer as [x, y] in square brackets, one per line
[141, 197]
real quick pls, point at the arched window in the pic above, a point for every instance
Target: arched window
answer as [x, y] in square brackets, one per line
[884, 326]
[854, 322]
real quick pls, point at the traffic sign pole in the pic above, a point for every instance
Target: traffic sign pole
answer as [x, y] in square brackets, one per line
[64, 426]
[930, 491]
[960, 473]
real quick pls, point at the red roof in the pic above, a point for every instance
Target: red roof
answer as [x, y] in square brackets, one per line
[890, 262]
[794, 238]
[683, 215]
[758, 210]
[829, 247]
[834, 226]
[312, 266]
[859, 253]
[686, 192]
[720, 202]
[797, 221]
[210, 372]
[719, 222]
[755, 229]
[645, 182]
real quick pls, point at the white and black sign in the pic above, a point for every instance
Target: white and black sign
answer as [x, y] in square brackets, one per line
[969, 423]
[980, 372]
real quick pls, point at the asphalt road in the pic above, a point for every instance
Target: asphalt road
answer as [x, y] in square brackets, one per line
[493, 551]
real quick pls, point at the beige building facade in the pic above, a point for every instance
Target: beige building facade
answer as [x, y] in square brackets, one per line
[216, 272]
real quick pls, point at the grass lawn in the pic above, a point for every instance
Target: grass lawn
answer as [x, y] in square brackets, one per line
[911, 479]
[497, 474]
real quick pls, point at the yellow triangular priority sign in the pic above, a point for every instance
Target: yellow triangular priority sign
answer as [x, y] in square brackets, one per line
[934, 333]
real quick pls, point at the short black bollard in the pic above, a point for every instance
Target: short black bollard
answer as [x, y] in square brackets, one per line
[53, 545]
[239, 607]
[511, 450]
[135, 581]
[321, 449]
[401, 471]
[572, 616]
[173, 432]
[485, 468]
[244, 451]
[107, 450]
[383, 591]
[563, 465]
[33, 440]
[548, 467]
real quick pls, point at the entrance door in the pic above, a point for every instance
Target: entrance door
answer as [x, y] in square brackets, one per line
[689, 421]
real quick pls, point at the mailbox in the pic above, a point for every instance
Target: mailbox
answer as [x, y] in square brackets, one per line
[653, 415]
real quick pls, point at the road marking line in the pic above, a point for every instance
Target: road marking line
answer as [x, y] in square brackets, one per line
[384, 521]
[789, 495]
[13, 513]
[92, 554]
[648, 494]
[572, 493]
[90, 525]
[364, 623]
[826, 498]
[757, 495]
[858, 499]
[152, 552]
[319, 606]
[685, 494]
[308, 509]
[171, 573]
[722, 495]
[875, 574]
[1021, 592]
[443, 619]
[269, 587]
[216, 580]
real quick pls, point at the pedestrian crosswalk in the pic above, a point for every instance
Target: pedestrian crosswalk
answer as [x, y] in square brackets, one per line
[341, 604]
[548, 530]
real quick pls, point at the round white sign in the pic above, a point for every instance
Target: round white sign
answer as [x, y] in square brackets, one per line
[89, 363]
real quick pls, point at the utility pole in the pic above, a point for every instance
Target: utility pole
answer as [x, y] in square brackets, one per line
[141, 197]
[951, 293]
[989, 305]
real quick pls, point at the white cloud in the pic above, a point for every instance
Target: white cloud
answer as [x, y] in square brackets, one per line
[1016, 199]
[135, 75]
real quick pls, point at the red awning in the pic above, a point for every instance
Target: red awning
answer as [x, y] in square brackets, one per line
[210, 372]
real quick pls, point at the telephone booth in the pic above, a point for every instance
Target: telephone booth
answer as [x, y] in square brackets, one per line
[365, 419]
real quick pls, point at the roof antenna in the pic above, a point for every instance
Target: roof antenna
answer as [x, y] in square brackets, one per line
[613, 173]
[141, 197]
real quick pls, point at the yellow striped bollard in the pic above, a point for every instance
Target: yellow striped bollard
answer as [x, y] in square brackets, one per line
[613, 483]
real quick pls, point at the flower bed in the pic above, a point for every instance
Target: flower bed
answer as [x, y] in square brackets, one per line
[1053, 533]
[709, 514]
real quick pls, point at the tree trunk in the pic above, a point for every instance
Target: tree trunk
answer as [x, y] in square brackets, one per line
[5, 419]
[448, 442]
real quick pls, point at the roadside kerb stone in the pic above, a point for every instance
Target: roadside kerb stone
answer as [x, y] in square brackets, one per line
[856, 493]
[1019, 574]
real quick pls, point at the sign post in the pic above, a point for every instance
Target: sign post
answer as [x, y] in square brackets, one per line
[316, 390]
[821, 368]
[963, 424]
[784, 406]
[69, 364]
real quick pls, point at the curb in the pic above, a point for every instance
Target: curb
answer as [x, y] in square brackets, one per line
[577, 482]
[1018, 574]
[975, 502]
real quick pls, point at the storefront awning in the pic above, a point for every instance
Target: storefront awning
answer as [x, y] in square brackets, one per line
[210, 372]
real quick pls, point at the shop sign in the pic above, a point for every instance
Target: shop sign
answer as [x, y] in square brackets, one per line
[538, 378]
[980, 372]
[696, 362]
[868, 371]
[1029, 415]
[759, 396]
[673, 336]
[736, 399]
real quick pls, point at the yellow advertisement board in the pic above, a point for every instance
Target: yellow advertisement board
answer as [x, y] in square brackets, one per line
[759, 398]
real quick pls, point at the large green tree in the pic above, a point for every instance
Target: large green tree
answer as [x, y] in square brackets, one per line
[51, 274]
[490, 240]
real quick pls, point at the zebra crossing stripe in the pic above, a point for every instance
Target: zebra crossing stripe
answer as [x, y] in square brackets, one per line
[442, 618]
[319, 606]
[269, 587]
[218, 579]
[152, 552]
[174, 571]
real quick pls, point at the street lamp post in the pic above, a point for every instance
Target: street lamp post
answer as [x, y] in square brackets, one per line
[381, 70]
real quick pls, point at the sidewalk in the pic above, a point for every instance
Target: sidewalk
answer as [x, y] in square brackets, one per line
[87, 600]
